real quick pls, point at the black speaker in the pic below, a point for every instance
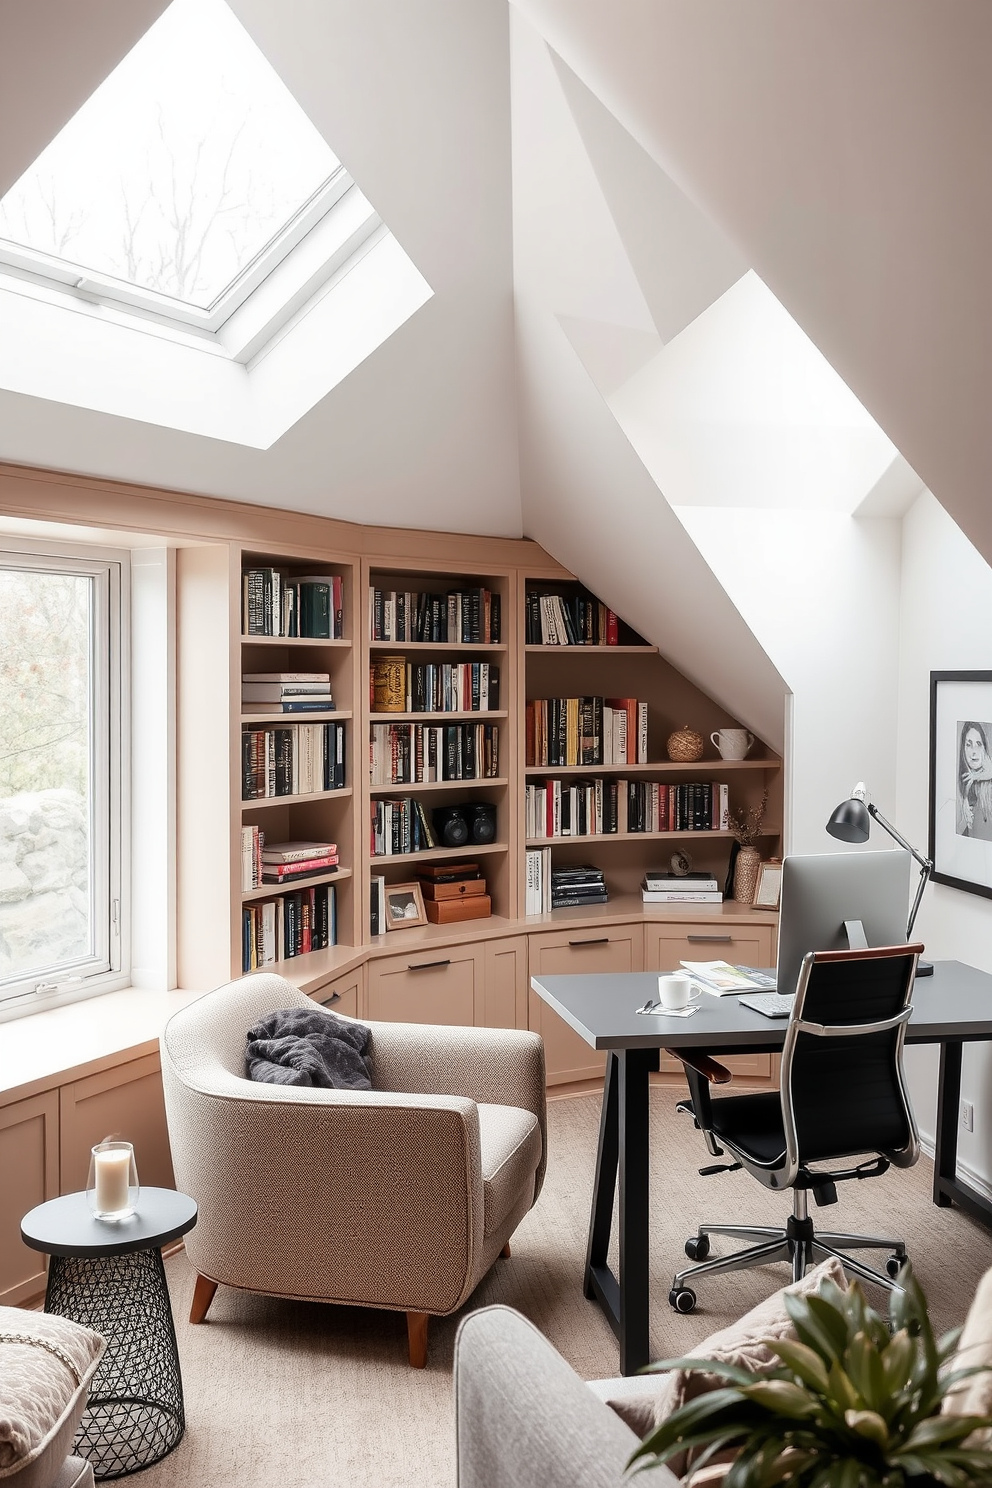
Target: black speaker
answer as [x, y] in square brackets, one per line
[450, 826]
[481, 818]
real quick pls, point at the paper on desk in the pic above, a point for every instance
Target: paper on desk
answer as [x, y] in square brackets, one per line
[720, 978]
[664, 1012]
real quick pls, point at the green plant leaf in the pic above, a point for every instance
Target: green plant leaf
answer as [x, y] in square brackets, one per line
[937, 1430]
[802, 1360]
[695, 1364]
[869, 1424]
[897, 1362]
[842, 1390]
[811, 1331]
[781, 1397]
[863, 1365]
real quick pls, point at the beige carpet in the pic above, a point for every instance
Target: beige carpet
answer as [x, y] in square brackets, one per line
[300, 1396]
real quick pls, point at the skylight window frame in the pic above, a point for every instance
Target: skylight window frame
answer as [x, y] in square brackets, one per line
[89, 287]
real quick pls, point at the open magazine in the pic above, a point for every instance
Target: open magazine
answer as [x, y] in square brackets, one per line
[722, 978]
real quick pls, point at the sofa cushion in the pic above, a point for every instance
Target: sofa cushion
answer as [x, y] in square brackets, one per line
[741, 1343]
[974, 1396]
[46, 1366]
[510, 1140]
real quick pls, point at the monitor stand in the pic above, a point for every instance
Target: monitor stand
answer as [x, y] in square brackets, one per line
[857, 940]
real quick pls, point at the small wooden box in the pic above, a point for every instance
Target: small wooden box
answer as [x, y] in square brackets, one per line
[466, 888]
[445, 911]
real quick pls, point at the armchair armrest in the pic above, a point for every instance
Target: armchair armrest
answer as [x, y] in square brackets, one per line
[711, 1069]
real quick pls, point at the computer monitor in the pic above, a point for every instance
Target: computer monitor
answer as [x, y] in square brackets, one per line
[825, 896]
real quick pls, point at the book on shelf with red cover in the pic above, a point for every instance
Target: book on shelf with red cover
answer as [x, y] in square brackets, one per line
[294, 852]
[287, 872]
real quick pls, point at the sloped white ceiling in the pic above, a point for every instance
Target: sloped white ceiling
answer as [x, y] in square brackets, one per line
[844, 149]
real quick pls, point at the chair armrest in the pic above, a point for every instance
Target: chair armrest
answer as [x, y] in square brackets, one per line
[524, 1418]
[711, 1069]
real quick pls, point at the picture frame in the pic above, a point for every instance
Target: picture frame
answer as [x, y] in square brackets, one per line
[768, 889]
[960, 816]
[404, 906]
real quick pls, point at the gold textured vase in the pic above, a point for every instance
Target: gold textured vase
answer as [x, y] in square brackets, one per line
[746, 874]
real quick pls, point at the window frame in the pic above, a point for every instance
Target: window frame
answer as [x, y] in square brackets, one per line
[107, 967]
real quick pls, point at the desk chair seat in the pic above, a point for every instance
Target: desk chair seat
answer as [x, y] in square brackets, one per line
[842, 1097]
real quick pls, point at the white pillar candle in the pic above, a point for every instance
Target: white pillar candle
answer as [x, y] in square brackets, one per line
[113, 1171]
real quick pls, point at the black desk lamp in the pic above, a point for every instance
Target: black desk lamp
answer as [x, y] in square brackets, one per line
[851, 822]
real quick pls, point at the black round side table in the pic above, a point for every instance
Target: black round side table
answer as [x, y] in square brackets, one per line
[108, 1274]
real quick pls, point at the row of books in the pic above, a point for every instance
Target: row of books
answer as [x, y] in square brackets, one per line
[420, 754]
[274, 603]
[286, 692]
[296, 760]
[400, 826]
[287, 926]
[438, 687]
[586, 731]
[609, 807]
[458, 615]
[569, 620]
[282, 862]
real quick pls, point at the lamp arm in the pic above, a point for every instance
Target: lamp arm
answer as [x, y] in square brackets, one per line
[926, 864]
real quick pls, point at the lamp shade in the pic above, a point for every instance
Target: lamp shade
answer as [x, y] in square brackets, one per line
[850, 821]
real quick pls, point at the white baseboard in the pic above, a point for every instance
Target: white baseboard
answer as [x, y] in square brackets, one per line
[974, 1180]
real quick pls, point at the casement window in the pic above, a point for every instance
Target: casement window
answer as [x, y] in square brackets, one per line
[63, 700]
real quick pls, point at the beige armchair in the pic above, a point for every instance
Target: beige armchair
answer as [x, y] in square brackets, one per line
[400, 1197]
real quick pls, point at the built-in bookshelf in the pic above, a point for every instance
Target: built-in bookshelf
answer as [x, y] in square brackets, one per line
[598, 788]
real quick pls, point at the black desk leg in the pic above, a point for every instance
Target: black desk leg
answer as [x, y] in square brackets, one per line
[948, 1104]
[634, 1317]
[604, 1185]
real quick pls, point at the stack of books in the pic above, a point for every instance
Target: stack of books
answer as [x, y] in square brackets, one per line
[286, 692]
[583, 884]
[286, 862]
[687, 888]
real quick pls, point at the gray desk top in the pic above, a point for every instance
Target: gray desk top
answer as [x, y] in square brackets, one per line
[955, 1003]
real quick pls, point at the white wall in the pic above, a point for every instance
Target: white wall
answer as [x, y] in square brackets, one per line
[946, 605]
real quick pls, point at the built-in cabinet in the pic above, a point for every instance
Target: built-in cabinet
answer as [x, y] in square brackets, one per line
[29, 1162]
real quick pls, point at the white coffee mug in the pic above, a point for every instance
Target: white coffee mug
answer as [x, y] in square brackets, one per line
[732, 744]
[677, 990]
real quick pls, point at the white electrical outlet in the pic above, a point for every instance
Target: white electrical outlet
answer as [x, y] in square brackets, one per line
[967, 1115]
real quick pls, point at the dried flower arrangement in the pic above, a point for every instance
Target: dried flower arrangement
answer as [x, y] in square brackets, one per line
[746, 825]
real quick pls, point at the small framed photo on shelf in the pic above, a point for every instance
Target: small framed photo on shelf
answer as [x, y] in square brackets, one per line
[404, 906]
[961, 780]
[769, 885]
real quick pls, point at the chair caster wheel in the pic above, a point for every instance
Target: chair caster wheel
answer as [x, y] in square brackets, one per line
[697, 1247]
[894, 1265]
[682, 1299]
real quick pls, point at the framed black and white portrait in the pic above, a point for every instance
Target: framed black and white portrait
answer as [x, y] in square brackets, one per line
[961, 780]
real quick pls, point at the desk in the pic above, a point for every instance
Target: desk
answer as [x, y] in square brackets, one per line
[951, 1008]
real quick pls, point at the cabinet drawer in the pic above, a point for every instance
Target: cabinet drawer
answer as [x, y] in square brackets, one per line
[29, 1162]
[596, 949]
[428, 986]
[345, 995]
[506, 983]
[126, 1100]
[665, 945]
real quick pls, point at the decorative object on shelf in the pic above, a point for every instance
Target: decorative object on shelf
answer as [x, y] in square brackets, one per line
[681, 863]
[404, 906]
[961, 780]
[768, 887]
[454, 892]
[685, 746]
[732, 744]
[851, 822]
[746, 828]
[389, 683]
[845, 1401]
[112, 1190]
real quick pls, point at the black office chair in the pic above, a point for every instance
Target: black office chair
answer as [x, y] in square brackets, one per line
[842, 1094]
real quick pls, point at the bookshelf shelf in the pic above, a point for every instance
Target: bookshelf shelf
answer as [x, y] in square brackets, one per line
[272, 891]
[600, 838]
[261, 802]
[285, 720]
[475, 716]
[657, 767]
[419, 647]
[293, 643]
[437, 785]
[644, 650]
[432, 854]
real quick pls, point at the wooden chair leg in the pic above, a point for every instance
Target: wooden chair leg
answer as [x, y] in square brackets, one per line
[203, 1295]
[416, 1329]
[505, 1252]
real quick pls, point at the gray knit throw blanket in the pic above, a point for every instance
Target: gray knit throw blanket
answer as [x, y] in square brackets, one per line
[309, 1046]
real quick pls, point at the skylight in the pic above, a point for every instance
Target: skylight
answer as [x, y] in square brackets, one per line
[179, 175]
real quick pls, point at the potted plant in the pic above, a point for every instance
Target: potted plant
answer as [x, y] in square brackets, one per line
[849, 1405]
[745, 828]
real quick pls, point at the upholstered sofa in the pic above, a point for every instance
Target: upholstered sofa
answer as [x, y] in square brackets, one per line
[47, 1365]
[399, 1197]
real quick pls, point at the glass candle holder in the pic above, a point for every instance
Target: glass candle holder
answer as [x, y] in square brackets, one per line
[112, 1188]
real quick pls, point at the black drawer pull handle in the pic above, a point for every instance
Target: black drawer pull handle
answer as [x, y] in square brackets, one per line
[603, 940]
[712, 939]
[426, 965]
[334, 997]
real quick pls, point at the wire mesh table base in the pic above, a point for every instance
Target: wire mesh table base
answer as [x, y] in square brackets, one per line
[135, 1413]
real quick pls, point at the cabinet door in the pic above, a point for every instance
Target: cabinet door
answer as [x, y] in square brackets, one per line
[29, 1162]
[124, 1101]
[505, 1004]
[428, 986]
[345, 995]
[666, 945]
[605, 948]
